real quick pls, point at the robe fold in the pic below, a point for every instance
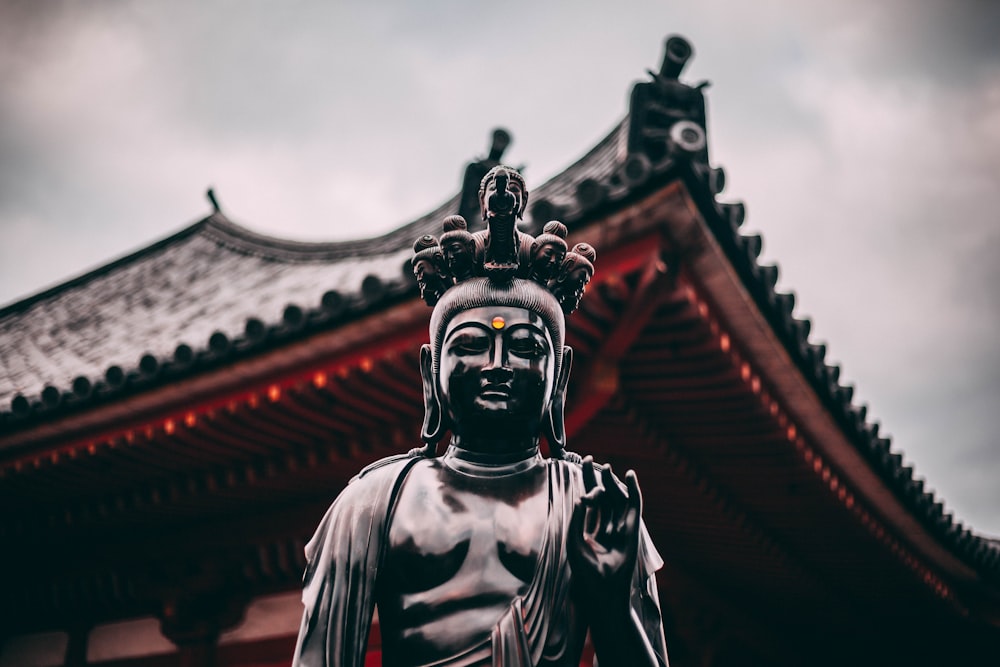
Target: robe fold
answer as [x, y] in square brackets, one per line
[540, 627]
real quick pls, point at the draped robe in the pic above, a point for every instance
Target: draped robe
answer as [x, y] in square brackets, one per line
[345, 554]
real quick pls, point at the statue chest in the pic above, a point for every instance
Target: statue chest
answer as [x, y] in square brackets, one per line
[451, 531]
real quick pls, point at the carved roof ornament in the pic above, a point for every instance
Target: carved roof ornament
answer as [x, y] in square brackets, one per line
[502, 253]
[468, 206]
[667, 116]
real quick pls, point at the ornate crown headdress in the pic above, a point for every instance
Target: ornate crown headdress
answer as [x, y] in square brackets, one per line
[501, 253]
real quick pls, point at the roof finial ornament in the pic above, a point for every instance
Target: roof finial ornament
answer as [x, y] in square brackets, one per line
[676, 53]
[666, 117]
[210, 193]
[501, 140]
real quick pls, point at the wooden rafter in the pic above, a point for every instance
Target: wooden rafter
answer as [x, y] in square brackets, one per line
[599, 380]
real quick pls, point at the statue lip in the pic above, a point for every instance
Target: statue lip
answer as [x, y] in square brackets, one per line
[495, 391]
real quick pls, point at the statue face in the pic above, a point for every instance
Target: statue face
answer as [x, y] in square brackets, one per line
[496, 371]
[547, 259]
[458, 257]
[429, 279]
[580, 276]
[513, 187]
[424, 269]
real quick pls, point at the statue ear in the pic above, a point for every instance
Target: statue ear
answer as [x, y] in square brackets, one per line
[555, 423]
[434, 422]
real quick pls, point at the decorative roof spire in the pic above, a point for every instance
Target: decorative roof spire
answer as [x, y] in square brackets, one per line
[210, 193]
[468, 206]
[667, 117]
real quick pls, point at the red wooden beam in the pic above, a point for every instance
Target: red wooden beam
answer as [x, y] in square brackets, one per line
[601, 376]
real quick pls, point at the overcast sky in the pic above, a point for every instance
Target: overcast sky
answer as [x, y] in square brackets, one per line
[865, 141]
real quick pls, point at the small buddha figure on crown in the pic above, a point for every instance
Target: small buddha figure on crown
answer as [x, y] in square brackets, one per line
[429, 269]
[503, 198]
[575, 273]
[547, 252]
[459, 248]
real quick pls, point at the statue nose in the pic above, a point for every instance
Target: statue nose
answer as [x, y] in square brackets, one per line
[496, 374]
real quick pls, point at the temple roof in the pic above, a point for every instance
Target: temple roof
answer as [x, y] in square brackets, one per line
[211, 277]
[159, 308]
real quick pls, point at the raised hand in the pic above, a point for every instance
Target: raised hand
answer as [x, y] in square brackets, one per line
[603, 538]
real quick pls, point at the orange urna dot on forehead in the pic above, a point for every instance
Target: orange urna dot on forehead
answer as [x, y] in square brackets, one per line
[498, 322]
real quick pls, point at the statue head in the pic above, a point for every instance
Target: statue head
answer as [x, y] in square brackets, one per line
[458, 247]
[496, 367]
[574, 274]
[429, 269]
[548, 251]
[492, 205]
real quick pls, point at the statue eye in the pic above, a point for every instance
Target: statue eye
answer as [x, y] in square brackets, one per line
[469, 343]
[527, 347]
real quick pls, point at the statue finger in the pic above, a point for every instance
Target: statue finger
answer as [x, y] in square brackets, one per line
[589, 478]
[611, 484]
[631, 513]
[634, 494]
[632, 517]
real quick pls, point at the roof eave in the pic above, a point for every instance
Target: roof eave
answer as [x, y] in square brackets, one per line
[723, 261]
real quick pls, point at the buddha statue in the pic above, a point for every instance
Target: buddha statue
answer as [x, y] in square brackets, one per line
[487, 554]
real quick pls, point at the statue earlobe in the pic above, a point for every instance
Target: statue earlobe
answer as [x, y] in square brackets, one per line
[434, 426]
[555, 419]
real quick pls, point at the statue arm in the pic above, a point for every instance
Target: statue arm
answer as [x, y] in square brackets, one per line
[631, 633]
[338, 587]
[614, 563]
[332, 592]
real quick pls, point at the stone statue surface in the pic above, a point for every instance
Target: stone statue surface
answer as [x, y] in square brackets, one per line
[488, 554]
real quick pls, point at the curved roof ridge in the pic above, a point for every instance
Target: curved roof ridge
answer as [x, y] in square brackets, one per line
[89, 274]
[237, 237]
[243, 239]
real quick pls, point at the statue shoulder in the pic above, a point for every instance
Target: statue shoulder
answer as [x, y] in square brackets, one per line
[389, 466]
[377, 483]
[365, 500]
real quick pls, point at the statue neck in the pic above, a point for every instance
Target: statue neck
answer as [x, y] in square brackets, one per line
[468, 458]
